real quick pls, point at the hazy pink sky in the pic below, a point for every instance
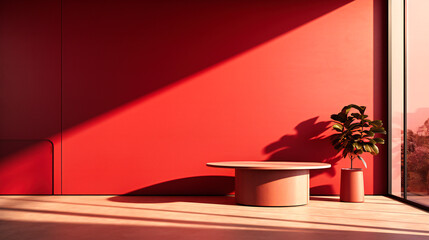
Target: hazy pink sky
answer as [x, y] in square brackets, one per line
[417, 62]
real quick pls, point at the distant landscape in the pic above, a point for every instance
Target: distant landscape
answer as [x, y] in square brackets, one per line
[418, 159]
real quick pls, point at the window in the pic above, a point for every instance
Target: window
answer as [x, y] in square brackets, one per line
[409, 101]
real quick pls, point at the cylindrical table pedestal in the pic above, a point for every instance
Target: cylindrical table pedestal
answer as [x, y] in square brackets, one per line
[271, 187]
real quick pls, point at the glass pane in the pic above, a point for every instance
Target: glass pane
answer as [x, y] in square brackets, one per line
[397, 98]
[417, 38]
[397, 163]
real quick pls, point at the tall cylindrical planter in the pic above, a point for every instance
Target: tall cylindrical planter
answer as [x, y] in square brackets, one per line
[352, 188]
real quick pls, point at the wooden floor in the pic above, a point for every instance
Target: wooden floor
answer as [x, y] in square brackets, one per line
[205, 218]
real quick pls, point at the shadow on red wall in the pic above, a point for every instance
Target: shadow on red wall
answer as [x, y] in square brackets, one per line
[120, 51]
[127, 52]
[309, 144]
[26, 167]
[380, 70]
[192, 186]
[132, 51]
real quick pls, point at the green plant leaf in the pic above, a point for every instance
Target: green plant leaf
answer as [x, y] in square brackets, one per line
[375, 149]
[355, 132]
[357, 146]
[363, 161]
[354, 126]
[379, 140]
[376, 123]
[338, 146]
[345, 152]
[346, 110]
[338, 127]
[342, 117]
[335, 117]
[348, 122]
[361, 109]
[336, 141]
[356, 115]
[369, 133]
[367, 148]
[378, 130]
[356, 136]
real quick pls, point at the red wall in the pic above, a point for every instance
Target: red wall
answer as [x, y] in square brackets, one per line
[26, 167]
[151, 91]
[30, 95]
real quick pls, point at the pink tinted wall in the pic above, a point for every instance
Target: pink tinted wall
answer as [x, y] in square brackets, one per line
[30, 96]
[154, 90]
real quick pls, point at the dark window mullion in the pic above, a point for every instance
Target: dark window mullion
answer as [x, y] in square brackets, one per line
[405, 103]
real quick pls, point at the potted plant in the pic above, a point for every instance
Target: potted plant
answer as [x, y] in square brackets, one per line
[355, 134]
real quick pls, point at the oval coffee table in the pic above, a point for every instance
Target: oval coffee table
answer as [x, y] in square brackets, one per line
[271, 183]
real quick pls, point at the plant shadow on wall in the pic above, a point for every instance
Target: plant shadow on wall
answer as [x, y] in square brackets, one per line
[309, 144]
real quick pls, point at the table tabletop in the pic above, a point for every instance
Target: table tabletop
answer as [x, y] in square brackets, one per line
[270, 165]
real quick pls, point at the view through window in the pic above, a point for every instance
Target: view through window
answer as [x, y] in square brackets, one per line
[417, 100]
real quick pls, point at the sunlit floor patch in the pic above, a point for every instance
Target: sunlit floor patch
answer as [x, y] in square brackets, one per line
[150, 217]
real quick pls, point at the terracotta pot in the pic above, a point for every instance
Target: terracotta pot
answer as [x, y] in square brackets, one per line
[352, 189]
